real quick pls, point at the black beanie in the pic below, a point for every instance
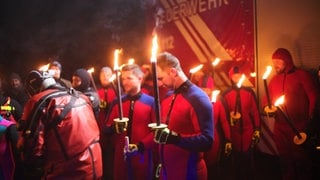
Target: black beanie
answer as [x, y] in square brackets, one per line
[15, 76]
[85, 79]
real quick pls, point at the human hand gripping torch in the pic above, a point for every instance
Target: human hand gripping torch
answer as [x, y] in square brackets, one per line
[269, 109]
[90, 71]
[235, 115]
[158, 125]
[300, 137]
[121, 122]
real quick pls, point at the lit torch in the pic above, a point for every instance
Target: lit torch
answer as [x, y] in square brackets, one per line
[269, 109]
[216, 62]
[155, 84]
[131, 61]
[90, 71]
[299, 137]
[194, 70]
[44, 68]
[235, 115]
[214, 95]
[117, 72]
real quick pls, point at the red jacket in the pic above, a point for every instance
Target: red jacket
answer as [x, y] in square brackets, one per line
[242, 131]
[222, 132]
[70, 148]
[141, 165]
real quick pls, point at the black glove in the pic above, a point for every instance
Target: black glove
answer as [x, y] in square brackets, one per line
[227, 148]
[255, 137]
[166, 136]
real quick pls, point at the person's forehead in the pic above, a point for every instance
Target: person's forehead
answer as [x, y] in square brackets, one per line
[277, 60]
[54, 67]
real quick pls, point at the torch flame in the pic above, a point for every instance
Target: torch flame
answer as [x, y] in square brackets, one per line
[279, 101]
[195, 69]
[116, 59]
[216, 61]
[131, 61]
[214, 95]
[241, 80]
[112, 78]
[91, 70]
[267, 73]
[44, 67]
[253, 74]
[154, 49]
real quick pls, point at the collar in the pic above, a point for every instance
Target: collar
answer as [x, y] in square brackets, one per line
[183, 87]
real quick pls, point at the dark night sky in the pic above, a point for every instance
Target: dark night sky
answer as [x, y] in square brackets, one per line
[82, 33]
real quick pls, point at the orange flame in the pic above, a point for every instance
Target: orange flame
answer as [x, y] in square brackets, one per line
[131, 61]
[112, 78]
[279, 101]
[214, 95]
[196, 69]
[216, 61]
[154, 49]
[91, 70]
[267, 73]
[116, 59]
[241, 80]
[44, 67]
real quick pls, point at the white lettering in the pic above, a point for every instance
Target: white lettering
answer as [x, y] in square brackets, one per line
[186, 8]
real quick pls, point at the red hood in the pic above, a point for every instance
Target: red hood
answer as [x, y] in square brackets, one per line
[284, 54]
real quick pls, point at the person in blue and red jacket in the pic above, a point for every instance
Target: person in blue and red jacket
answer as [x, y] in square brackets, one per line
[133, 160]
[301, 95]
[245, 124]
[188, 114]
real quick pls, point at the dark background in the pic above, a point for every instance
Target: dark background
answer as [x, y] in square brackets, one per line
[80, 33]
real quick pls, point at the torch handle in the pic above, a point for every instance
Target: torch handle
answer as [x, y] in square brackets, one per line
[267, 93]
[295, 130]
[119, 95]
[156, 92]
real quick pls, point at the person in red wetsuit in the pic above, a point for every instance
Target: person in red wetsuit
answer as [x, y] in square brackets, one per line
[138, 107]
[301, 94]
[245, 129]
[222, 145]
[107, 94]
[60, 138]
[187, 112]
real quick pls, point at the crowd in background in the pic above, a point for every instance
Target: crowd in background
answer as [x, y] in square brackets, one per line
[205, 139]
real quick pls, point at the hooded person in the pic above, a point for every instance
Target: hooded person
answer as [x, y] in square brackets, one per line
[81, 81]
[301, 94]
[51, 145]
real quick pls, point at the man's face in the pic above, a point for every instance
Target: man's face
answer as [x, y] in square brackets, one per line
[279, 65]
[105, 78]
[76, 81]
[130, 82]
[164, 78]
[16, 83]
[56, 70]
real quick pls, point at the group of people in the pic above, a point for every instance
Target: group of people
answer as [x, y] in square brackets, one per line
[73, 130]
